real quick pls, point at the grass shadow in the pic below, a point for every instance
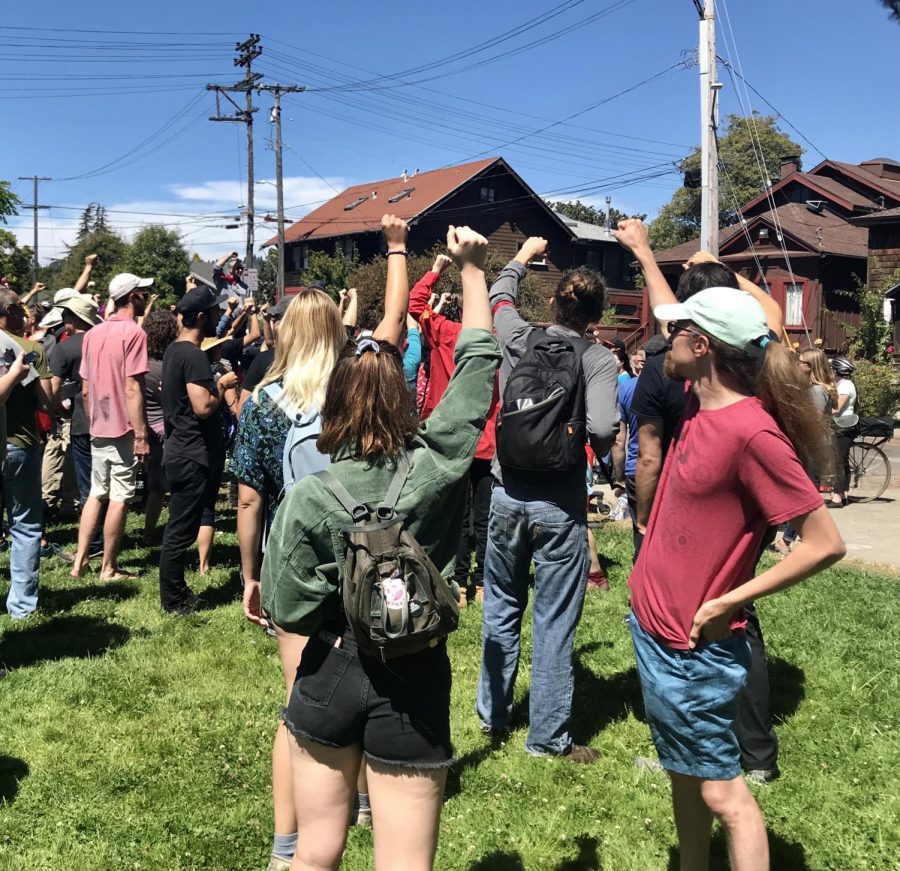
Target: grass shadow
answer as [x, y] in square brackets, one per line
[472, 759]
[65, 637]
[499, 862]
[600, 701]
[57, 600]
[12, 772]
[213, 597]
[587, 858]
[787, 688]
[783, 854]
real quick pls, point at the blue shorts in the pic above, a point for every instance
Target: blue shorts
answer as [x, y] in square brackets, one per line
[691, 698]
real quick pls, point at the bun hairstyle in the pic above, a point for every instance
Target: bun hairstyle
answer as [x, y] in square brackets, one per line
[579, 299]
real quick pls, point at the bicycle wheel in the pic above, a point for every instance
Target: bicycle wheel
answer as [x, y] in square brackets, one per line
[870, 472]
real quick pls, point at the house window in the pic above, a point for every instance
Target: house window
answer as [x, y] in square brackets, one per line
[406, 192]
[594, 259]
[300, 257]
[487, 195]
[347, 248]
[793, 304]
[354, 203]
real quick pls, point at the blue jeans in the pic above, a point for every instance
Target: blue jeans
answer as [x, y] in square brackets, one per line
[25, 513]
[553, 533]
[81, 457]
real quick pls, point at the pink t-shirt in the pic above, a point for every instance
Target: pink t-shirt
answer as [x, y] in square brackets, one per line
[112, 351]
[728, 475]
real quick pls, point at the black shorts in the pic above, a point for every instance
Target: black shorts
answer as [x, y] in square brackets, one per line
[398, 711]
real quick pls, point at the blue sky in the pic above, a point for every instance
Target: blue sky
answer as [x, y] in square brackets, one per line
[75, 99]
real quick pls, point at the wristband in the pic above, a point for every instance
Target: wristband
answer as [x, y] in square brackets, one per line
[404, 253]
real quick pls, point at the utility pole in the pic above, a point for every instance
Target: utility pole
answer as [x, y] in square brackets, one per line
[277, 91]
[709, 120]
[36, 179]
[609, 214]
[248, 51]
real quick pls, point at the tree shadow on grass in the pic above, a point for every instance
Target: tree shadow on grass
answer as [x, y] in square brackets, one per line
[69, 636]
[587, 858]
[498, 861]
[787, 688]
[784, 855]
[56, 601]
[12, 771]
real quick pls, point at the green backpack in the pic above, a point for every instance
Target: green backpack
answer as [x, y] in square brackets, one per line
[394, 598]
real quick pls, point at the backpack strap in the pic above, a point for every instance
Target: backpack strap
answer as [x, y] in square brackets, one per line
[355, 509]
[273, 391]
[386, 508]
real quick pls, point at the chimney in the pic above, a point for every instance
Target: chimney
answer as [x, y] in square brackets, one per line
[789, 165]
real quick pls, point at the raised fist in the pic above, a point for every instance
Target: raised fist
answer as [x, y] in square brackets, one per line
[441, 263]
[395, 232]
[466, 247]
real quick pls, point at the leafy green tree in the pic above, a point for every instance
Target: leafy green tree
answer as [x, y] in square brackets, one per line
[9, 202]
[739, 180]
[893, 6]
[267, 275]
[15, 262]
[157, 253]
[110, 249]
[870, 338]
[333, 270]
[579, 211]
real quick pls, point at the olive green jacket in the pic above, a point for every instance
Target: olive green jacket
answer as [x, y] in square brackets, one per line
[305, 551]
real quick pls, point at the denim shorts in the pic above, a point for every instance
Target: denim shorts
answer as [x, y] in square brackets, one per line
[691, 698]
[398, 711]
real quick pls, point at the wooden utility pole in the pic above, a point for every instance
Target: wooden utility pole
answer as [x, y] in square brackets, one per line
[277, 91]
[709, 120]
[36, 180]
[248, 51]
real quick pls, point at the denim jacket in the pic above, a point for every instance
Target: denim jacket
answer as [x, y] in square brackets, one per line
[305, 551]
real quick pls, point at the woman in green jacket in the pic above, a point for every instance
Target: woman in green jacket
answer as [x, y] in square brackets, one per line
[348, 709]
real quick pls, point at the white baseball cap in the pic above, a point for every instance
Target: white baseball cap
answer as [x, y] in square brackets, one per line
[124, 283]
[52, 319]
[63, 294]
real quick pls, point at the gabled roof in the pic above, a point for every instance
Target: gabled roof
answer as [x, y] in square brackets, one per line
[885, 216]
[582, 230]
[359, 209]
[818, 233]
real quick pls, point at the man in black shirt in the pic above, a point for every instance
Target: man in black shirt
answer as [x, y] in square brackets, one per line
[194, 444]
[263, 359]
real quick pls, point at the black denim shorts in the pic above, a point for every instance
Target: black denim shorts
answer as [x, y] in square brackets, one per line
[398, 711]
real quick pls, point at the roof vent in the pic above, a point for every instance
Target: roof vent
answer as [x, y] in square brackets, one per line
[406, 192]
[357, 202]
[763, 234]
[815, 206]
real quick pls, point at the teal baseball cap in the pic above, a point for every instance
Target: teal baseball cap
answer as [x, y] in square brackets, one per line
[729, 315]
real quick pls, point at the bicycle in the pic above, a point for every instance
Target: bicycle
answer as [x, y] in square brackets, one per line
[870, 468]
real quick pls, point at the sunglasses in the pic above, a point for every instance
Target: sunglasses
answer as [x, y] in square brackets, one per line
[676, 327]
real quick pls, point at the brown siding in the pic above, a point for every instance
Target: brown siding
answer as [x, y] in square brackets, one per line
[884, 254]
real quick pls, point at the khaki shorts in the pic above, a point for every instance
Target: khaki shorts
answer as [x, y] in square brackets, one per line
[113, 468]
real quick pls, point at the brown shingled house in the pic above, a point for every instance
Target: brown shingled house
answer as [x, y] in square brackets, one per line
[487, 195]
[810, 245]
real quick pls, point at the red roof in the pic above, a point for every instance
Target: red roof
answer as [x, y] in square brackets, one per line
[359, 209]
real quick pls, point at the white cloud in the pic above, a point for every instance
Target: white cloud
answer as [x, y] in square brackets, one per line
[200, 212]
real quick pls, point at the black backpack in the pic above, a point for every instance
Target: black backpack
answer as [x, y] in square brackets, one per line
[541, 425]
[394, 598]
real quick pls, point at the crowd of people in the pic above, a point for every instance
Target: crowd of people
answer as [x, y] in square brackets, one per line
[385, 477]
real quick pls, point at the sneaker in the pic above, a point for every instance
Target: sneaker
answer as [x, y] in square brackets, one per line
[762, 776]
[598, 581]
[582, 755]
[278, 863]
[52, 549]
[649, 763]
[362, 818]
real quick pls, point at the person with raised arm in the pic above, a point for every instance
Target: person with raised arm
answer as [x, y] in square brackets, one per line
[348, 709]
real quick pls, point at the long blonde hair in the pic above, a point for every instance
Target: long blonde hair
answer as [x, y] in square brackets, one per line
[820, 371]
[310, 337]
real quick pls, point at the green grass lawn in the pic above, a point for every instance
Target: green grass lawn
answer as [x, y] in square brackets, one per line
[132, 740]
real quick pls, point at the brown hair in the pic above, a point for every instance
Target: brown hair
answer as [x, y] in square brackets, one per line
[579, 299]
[820, 371]
[367, 410]
[775, 378]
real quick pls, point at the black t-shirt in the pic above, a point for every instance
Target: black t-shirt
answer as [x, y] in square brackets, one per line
[65, 361]
[258, 369]
[187, 436]
[659, 398]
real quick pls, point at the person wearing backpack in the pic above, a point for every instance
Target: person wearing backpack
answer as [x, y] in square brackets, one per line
[558, 393]
[276, 447]
[359, 560]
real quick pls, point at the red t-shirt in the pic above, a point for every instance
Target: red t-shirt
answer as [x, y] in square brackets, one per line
[440, 334]
[728, 475]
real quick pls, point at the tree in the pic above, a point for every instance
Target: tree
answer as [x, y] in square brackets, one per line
[579, 211]
[893, 6]
[110, 250]
[740, 179]
[9, 202]
[85, 223]
[267, 275]
[157, 253]
[15, 262]
[99, 223]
